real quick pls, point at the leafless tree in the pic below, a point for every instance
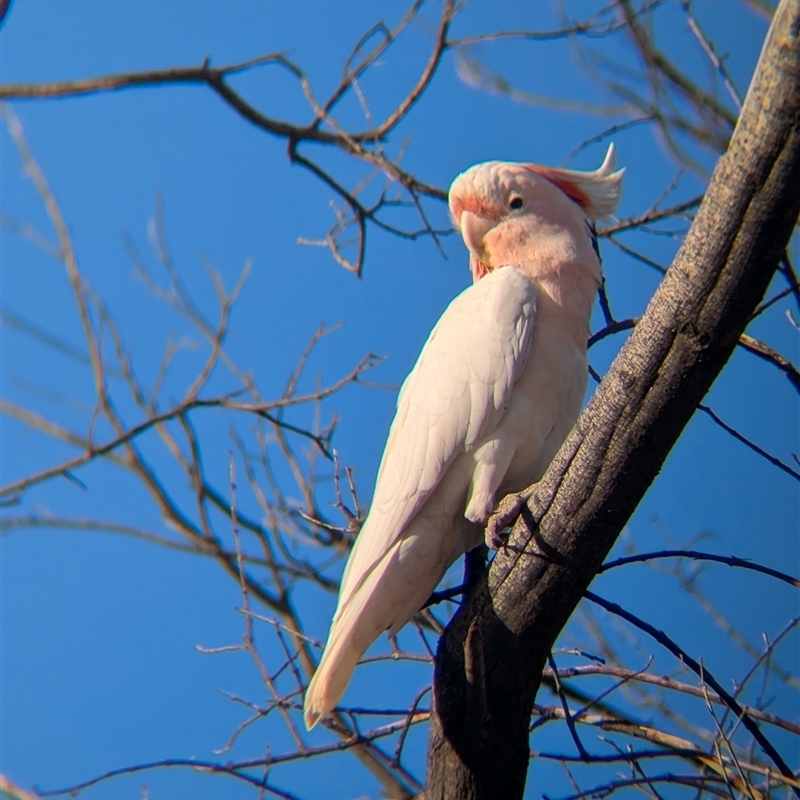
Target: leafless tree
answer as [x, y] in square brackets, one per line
[484, 707]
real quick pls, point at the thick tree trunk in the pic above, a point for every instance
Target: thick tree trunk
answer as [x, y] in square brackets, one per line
[491, 656]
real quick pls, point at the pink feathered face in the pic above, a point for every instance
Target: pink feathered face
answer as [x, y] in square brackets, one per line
[487, 189]
[491, 203]
[490, 199]
[491, 194]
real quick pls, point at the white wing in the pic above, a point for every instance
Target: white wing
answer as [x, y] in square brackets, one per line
[455, 395]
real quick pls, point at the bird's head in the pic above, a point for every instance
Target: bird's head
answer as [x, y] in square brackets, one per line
[518, 214]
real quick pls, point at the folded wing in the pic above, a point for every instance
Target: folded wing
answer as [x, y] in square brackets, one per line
[455, 395]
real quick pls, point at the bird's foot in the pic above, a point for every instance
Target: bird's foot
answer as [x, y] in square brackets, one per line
[498, 526]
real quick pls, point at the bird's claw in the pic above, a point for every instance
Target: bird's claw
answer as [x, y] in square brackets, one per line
[498, 526]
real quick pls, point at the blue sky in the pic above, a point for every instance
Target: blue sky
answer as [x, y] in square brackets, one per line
[99, 661]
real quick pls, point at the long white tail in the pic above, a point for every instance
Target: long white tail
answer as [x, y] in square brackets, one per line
[330, 680]
[370, 611]
[393, 591]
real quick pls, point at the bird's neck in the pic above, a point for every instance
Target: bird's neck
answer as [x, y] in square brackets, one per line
[566, 268]
[556, 254]
[568, 301]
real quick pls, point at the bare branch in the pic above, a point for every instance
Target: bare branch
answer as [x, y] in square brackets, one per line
[731, 561]
[704, 675]
[620, 442]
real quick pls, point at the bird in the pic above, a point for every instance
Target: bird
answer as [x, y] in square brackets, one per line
[497, 387]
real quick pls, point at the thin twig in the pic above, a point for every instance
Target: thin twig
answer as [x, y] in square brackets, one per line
[670, 645]
[731, 561]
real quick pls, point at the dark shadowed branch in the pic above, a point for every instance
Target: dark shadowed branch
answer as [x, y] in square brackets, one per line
[691, 326]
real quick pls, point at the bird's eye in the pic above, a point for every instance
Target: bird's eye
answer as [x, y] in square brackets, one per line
[515, 202]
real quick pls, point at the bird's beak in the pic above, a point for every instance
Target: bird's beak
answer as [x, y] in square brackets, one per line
[473, 231]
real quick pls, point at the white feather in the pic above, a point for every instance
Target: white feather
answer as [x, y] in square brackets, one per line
[602, 187]
[489, 402]
[448, 408]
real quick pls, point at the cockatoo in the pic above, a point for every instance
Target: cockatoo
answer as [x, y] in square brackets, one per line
[494, 393]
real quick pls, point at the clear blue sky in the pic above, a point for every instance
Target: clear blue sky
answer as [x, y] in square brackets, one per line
[99, 632]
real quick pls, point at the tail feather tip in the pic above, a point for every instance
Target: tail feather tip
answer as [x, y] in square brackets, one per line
[311, 717]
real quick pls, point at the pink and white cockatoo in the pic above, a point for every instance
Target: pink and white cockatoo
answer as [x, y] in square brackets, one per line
[494, 393]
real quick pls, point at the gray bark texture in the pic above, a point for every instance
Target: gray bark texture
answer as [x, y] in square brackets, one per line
[491, 656]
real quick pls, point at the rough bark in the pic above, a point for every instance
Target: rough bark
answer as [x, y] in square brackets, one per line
[491, 656]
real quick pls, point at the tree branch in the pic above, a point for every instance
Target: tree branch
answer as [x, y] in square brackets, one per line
[621, 441]
[703, 674]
